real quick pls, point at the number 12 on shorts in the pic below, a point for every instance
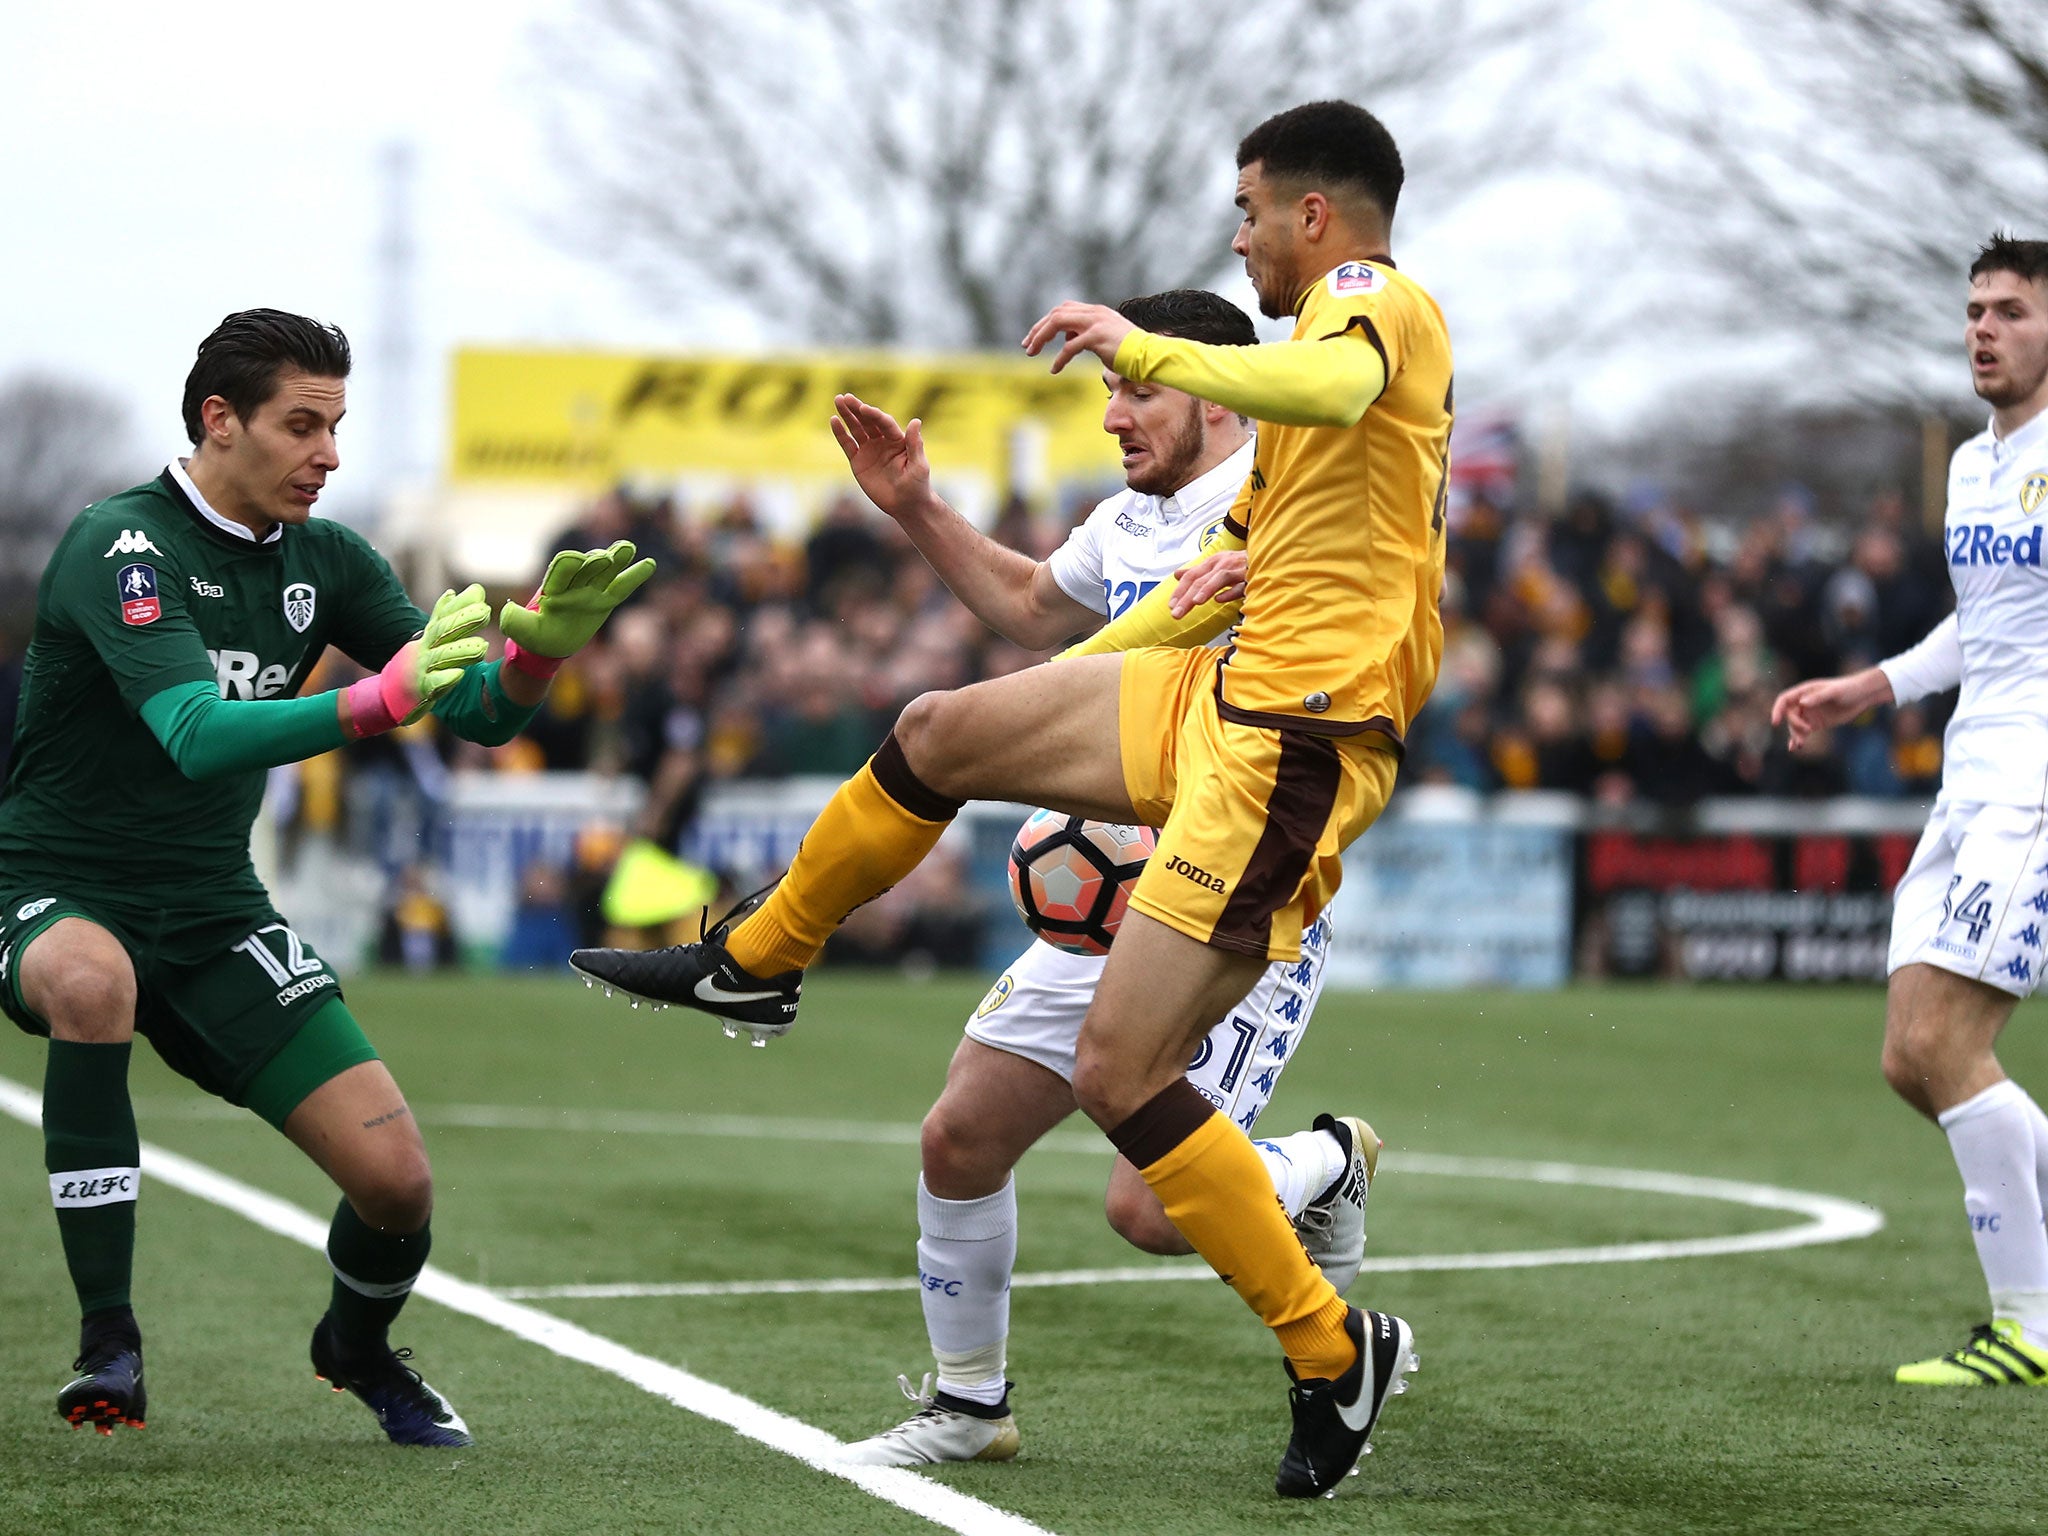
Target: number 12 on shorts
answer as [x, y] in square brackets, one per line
[296, 961]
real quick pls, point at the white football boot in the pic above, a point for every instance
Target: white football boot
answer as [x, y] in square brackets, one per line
[1332, 1226]
[944, 1428]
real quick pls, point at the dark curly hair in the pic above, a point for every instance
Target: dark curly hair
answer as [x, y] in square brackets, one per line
[1328, 143]
[1195, 313]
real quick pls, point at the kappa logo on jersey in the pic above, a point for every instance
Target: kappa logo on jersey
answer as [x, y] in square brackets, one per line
[1977, 544]
[2032, 492]
[1356, 277]
[139, 602]
[133, 541]
[298, 606]
[207, 588]
[35, 909]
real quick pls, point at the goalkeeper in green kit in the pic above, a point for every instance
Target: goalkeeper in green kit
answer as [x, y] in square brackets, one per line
[174, 628]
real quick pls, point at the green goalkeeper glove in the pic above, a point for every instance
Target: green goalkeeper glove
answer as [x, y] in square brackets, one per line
[415, 679]
[576, 596]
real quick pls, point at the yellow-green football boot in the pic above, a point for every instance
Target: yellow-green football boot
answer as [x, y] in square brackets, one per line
[1996, 1356]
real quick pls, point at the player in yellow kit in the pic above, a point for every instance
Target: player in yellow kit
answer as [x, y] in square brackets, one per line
[1260, 762]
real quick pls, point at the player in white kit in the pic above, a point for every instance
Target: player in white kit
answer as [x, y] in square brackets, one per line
[1011, 1079]
[1970, 917]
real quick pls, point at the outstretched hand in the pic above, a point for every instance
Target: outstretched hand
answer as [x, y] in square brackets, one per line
[888, 461]
[576, 596]
[1088, 328]
[422, 671]
[1822, 702]
[451, 642]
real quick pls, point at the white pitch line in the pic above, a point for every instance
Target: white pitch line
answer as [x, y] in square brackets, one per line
[935, 1502]
[1829, 1220]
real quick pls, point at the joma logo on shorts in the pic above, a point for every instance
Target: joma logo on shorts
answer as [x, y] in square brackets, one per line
[1201, 877]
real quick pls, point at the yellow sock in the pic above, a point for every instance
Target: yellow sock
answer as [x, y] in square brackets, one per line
[870, 835]
[1218, 1193]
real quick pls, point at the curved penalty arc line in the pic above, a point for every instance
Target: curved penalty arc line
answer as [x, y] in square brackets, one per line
[1827, 1219]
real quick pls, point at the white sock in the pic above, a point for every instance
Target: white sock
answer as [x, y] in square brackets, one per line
[1992, 1137]
[1301, 1166]
[966, 1250]
[2040, 1123]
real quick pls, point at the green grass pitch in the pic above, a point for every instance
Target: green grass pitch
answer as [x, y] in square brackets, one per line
[1741, 1393]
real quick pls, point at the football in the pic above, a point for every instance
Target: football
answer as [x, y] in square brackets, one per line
[1072, 878]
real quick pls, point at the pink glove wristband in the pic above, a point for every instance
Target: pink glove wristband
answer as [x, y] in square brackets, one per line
[381, 701]
[532, 663]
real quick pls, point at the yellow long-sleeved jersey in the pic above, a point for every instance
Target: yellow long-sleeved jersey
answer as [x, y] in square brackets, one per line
[1343, 513]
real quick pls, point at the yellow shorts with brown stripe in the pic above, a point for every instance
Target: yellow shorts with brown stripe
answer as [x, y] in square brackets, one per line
[1251, 819]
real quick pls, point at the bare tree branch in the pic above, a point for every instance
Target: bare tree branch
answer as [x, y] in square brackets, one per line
[62, 446]
[936, 171]
[1916, 128]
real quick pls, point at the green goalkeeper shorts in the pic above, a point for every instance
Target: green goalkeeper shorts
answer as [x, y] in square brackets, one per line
[219, 995]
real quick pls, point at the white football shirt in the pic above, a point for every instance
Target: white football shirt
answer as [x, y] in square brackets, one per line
[1131, 542]
[1996, 749]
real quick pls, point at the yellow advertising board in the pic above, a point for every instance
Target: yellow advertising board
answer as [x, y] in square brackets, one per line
[584, 419]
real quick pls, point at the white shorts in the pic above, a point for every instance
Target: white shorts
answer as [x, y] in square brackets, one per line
[1974, 899]
[1036, 1007]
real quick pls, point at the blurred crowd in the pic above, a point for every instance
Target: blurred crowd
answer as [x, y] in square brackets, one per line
[759, 657]
[1630, 652]
[1627, 651]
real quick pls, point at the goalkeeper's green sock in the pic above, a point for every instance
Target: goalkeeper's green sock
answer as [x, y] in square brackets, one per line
[94, 1160]
[373, 1274]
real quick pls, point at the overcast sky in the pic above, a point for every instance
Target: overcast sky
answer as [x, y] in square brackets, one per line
[168, 164]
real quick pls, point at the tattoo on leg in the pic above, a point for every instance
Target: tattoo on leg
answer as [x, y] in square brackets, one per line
[384, 1119]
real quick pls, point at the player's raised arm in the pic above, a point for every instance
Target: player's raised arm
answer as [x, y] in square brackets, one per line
[1010, 592]
[1326, 383]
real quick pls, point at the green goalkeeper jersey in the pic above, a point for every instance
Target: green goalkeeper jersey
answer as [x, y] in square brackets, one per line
[150, 590]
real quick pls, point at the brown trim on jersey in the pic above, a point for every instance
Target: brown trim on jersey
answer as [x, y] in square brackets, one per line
[893, 772]
[1308, 725]
[1236, 529]
[1162, 1122]
[1304, 793]
[1372, 335]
